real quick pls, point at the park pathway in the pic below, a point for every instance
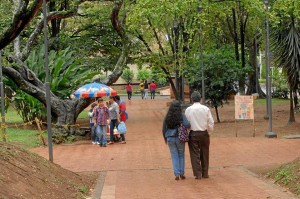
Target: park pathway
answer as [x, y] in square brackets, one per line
[141, 169]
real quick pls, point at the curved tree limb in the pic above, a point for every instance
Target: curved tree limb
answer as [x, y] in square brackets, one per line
[118, 26]
[156, 37]
[20, 20]
[36, 88]
[38, 29]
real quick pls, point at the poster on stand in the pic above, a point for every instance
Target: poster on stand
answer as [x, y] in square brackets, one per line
[244, 107]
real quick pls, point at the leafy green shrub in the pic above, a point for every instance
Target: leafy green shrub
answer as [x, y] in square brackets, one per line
[127, 75]
[284, 176]
[143, 74]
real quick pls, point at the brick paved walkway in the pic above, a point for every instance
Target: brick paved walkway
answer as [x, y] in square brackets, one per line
[141, 169]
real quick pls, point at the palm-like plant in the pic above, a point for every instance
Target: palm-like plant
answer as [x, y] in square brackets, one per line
[286, 48]
[66, 75]
[67, 72]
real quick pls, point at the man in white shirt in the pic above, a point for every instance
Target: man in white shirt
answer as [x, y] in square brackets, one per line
[202, 124]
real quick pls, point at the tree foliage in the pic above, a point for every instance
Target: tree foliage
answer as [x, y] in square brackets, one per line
[128, 75]
[221, 73]
[143, 74]
[67, 72]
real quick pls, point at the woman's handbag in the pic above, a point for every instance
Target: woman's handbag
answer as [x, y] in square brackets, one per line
[122, 128]
[183, 134]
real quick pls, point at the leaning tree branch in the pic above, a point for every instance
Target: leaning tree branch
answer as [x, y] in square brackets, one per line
[33, 87]
[156, 37]
[20, 20]
[38, 29]
[36, 88]
[115, 19]
[23, 17]
[118, 70]
[142, 39]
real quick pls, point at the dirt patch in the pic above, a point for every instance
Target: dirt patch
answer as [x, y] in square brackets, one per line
[229, 127]
[26, 175]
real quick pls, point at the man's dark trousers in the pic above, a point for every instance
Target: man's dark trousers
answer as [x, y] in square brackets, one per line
[199, 152]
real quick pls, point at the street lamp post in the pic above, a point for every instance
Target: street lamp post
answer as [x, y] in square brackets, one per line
[175, 26]
[47, 85]
[2, 101]
[201, 59]
[270, 133]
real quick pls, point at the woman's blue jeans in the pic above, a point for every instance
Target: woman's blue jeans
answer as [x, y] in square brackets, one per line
[177, 154]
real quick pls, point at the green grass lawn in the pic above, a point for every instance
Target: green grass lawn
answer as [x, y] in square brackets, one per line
[83, 114]
[275, 101]
[12, 116]
[26, 138]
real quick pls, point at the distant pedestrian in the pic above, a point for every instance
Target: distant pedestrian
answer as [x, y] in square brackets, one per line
[114, 117]
[129, 91]
[202, 124]
[101, 115]
[122, 111]
[94, 137]
[172, 121]
[152, 89]
[146, 88]
[141, 87]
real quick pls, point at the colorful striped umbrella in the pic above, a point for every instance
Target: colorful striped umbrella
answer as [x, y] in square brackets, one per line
[94, 90]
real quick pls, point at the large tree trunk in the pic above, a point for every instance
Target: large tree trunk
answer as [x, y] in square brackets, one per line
[253, 85]
[243, 51]
[217, 114]
[235, 36]
[292, 114]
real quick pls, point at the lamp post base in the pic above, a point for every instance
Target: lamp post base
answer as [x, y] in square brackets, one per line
[271, 135]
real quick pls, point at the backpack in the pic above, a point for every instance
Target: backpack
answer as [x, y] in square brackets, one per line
[183, 134]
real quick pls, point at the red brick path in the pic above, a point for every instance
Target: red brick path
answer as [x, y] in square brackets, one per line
[141, 169]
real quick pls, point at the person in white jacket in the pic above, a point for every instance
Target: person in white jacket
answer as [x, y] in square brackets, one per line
[202, 125]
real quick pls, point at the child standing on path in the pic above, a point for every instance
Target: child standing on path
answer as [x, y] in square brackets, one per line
[101, 116]
[94, 136]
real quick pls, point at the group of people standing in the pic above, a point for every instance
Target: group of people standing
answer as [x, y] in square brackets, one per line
[144, 87]
[106, 116]
[198, 119]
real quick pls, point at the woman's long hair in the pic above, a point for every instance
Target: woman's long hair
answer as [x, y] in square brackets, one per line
[174, 115]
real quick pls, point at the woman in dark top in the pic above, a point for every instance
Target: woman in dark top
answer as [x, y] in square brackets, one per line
[146, 86]
[172, 121]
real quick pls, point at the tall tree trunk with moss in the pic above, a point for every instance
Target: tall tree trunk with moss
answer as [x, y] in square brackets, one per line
[254, 86]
